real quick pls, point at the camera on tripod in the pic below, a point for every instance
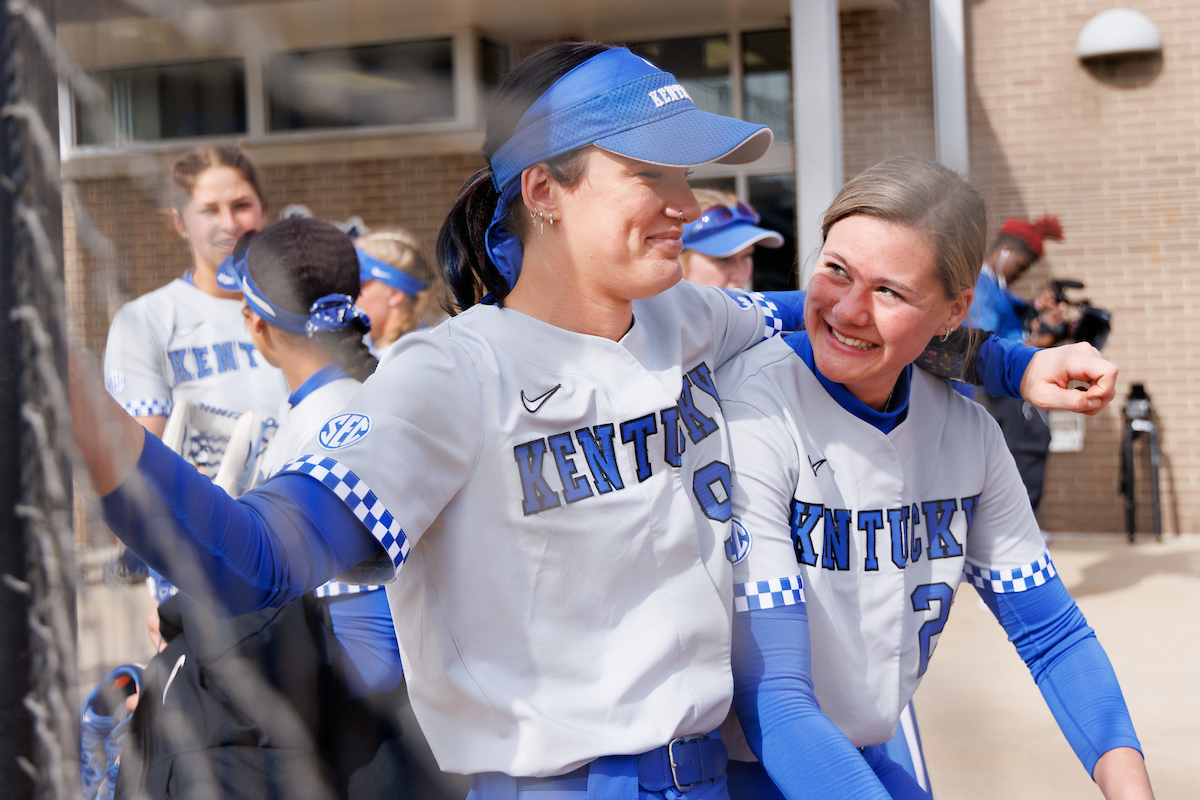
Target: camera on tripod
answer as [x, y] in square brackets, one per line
[1084, 322]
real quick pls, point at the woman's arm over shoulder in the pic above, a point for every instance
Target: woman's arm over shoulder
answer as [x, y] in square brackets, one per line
[741, 319]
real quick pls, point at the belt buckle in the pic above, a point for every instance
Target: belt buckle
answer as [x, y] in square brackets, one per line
[671, 759]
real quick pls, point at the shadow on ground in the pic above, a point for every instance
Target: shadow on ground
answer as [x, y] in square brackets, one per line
[1127, 565]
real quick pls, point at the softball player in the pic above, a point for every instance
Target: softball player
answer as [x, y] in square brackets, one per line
[552, 461]
[718, 247]
[401, 290]
[186, 340]
[865, 492]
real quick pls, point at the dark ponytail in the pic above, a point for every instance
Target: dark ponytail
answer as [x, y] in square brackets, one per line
[461, 246]
[300, 260]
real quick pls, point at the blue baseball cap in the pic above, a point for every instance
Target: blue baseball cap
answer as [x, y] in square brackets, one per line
[722, 231]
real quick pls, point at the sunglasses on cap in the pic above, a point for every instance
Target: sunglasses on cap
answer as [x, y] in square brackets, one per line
[718, 217]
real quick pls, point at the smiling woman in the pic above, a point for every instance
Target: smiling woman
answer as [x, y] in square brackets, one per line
[186, 340]
[545, 476]
[865, 493]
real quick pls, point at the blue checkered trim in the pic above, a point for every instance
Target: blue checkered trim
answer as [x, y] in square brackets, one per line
[149, 407]
[339, 589]
[359, 498]
[768, 594]
[772, 321]
[1005, 581]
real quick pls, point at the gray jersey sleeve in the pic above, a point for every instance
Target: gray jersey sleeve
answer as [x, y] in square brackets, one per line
[133, 362]
[1004, 533]
[405, 444]
[740, 320]
[765, 465]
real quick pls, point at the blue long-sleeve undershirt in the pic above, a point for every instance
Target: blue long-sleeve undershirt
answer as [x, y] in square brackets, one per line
[362, 623]
[803, 752]
[264, 549]
[779, 713]
[1069, 666]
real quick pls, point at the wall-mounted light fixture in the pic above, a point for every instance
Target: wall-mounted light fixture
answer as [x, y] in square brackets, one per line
[1118, 32]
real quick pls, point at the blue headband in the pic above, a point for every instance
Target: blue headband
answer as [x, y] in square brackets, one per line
[371, 268]
[333, 312]
[621, 103]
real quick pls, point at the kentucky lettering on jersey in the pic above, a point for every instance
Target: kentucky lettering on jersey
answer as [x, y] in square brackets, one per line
[193, 363]
[599, 466]
[899, 525]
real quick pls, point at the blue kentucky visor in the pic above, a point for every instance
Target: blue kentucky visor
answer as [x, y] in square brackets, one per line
[731, 239]
[623, 104]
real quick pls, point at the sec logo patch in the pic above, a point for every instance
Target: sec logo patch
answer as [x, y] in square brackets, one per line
[344, 430]
[737, 546]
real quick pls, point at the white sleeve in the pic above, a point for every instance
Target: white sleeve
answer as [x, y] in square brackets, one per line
[765, 463]
[404, 445]
[740, 320]
[1003, 533]
[134, 362]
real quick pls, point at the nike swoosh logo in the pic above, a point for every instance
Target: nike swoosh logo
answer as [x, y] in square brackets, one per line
[188, 330]
[533, 405]
[815, 466]
[174, 672]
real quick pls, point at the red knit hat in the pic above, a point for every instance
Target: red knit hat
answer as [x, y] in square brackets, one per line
[1031, 235]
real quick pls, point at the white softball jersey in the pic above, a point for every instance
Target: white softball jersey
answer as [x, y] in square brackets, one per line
[178, 342]
[872, 531]
[560, 504]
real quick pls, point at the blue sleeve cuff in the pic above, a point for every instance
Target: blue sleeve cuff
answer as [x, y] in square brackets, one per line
[790, 307]
[1069, 665]
[1001, 364]
[234, 556]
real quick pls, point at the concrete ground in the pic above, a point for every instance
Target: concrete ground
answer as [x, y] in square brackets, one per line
[986, 730]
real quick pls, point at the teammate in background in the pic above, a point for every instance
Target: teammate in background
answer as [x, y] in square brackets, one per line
[1017, 247]
[718, 247]
[866, 490]
[401, 290]
[222, 692]
[186, 340]
[551, 461]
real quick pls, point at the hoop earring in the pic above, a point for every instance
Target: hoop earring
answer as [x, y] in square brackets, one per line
[946, 335]
[550, 215]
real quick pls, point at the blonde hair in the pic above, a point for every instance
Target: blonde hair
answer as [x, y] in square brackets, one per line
[401, 249]
[929, 198]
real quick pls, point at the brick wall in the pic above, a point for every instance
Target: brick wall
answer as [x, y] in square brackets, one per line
[1114, 153]
[887, 85]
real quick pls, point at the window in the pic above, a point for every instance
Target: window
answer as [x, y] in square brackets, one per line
[701, 64]
[165, 102]
[774, 198]
[767, 67]
[384, 84]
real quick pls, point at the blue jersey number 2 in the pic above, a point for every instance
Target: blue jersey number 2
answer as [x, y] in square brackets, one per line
[921, 597]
